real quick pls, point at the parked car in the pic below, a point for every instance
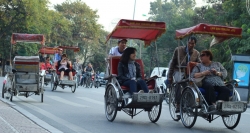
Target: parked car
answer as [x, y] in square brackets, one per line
[101, 77]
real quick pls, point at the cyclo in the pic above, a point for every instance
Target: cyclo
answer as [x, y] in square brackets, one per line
[25, 79]
[49, 72]
[114, 93]
[65, 82]
[193, 103]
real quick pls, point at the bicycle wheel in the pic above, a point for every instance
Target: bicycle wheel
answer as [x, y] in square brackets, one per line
[172, 104]
[73, 88]
[188, 108]
[3, 90]
[111, 103]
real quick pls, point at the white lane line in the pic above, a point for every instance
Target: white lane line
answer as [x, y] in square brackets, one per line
[12, 128]
[57, 119]
[91, 100]
[59, 99]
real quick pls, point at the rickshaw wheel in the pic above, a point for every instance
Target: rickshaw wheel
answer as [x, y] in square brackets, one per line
[3, 90]
[52, 82]
[155, 113]
[111, 104]
[42, 97]
[11, 96]
[172, 104]
[73, 88]
[188, 109]
[231, 121]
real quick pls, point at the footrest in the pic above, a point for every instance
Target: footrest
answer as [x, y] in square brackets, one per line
[67, 82]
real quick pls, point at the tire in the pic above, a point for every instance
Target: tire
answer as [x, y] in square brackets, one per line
[77, 81]
[231, 121]
[42, 97]
[97, 84]
[3, 90]
[188, 108]
[73, 88]
[166, 96]
[155, 113]
[11, 96]
[172, 104]
[52, 82]
[111, 103]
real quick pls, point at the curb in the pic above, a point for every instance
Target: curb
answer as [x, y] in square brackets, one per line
[33, 118]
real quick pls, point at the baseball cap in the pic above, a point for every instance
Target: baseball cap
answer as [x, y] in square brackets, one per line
[60, 49]
[122, 40]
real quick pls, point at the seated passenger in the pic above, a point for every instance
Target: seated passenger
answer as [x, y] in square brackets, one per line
[129, 72]
[46, 66]
[214, 72]
[64, 66]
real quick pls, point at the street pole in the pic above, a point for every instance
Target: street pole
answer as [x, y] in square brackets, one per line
[134, 10]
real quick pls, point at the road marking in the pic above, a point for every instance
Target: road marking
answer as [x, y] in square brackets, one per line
[12, 128]
[57, 119]
[59, 99]
[91, 100]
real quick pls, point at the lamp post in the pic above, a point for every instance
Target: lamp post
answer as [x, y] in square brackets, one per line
[134, 10]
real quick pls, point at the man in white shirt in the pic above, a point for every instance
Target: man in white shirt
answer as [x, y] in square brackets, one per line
[118, 50]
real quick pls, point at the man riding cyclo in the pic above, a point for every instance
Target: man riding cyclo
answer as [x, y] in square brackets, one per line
[118, 50]
[185, 53]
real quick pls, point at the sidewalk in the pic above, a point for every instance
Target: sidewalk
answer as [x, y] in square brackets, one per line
[14, 119]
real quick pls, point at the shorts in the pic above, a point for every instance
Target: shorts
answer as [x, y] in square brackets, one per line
[63, 69]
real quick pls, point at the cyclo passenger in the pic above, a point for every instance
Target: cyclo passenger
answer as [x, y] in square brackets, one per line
[214, 72]
[129, 73]
[186, 53]
[47, 65]
[64, 66]
[87, 73]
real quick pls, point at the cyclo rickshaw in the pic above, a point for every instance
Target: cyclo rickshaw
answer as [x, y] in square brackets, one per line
[65, 82]
[193, 103]
[25, 79]
[114, 97]
[48, 75]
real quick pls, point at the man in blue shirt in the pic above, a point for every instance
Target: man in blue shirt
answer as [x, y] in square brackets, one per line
[58, 55]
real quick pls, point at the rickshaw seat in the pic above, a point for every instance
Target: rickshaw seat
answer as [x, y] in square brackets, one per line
[114, 61]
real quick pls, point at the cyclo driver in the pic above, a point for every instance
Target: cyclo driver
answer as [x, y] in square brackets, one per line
[186, 53]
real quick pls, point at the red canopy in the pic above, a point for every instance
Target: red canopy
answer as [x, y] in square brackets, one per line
[133, 29]
[216, 30]
[48, 50]
[31, 38]
[221, 33]
[76, 49]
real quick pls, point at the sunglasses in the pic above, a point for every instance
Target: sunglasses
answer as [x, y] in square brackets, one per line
[202, 55]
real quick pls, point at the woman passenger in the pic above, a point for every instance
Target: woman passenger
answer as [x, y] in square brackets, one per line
[129, 72]
[214, 72]
[64, 66]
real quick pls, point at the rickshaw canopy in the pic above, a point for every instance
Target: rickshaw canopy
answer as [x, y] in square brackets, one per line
[146, 31]
[29, 38]
[220, 33]
[48, 50]
[74, 48]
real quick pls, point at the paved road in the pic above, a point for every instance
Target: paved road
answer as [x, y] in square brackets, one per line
[83, 112]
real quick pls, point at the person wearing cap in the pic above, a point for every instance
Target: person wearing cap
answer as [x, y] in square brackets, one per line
[64, 66]
[58, 55]
[182, 55]
[118, 50]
